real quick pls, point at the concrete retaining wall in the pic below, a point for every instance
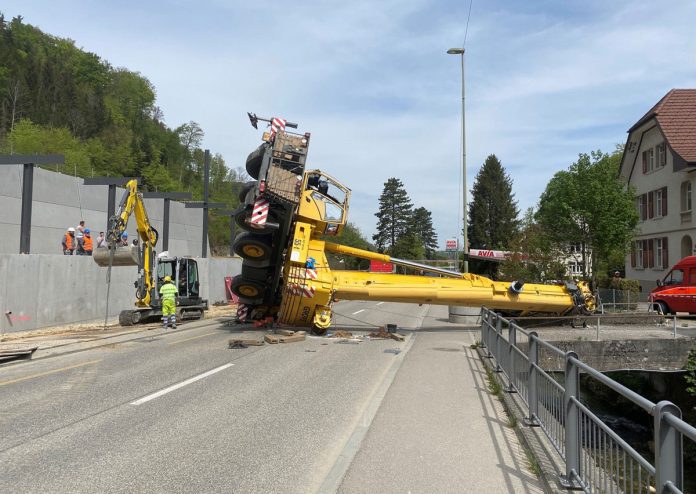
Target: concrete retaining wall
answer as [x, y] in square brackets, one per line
[61, 201]
[653, 354]
[41, 290]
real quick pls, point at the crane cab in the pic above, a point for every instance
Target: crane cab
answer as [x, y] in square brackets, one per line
[324, 203]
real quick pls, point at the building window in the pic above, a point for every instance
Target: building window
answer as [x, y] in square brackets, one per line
[648, 160]
[685, 197]
[575, 268]
[660, 253]
[661, 202]
[639, 254]
[661, 151]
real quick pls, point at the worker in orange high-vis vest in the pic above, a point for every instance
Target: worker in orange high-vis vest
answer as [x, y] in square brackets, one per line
[69, 242]
[87, 243]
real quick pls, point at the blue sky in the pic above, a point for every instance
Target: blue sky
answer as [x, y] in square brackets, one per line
[545, 80]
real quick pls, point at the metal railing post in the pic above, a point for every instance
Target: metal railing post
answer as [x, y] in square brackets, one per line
[512, 343]
[498, 337]
[572, 424]
[484, 316]
[669, 458]
[489, 342]
[533, 357]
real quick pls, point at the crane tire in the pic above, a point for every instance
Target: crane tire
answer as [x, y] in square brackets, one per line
[249, 291]
[254, 160]
[245, 190]
[253, 247]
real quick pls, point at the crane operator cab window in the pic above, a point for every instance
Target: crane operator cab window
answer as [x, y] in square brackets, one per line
[330, 199]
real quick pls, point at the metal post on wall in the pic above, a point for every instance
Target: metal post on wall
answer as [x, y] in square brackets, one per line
[28, 161]
[167, 196]
[112, 182]
[205, 205]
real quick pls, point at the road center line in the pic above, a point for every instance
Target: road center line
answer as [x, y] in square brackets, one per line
[191, 338]
[358, 312]
[19, 379]
[174, 387]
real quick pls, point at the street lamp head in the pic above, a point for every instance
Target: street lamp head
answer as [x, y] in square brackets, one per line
[456, 51]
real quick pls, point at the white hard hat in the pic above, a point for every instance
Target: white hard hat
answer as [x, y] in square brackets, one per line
[71, 229]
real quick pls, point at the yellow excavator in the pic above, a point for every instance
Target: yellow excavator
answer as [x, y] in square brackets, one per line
[152, 268]
[286, 274]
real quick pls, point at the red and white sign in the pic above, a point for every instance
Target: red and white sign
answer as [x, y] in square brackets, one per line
[451, 244]
[259, 214]
[277, 124]
[489, 254]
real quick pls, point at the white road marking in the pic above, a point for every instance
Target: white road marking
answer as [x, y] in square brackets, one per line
[380, 303]
[174, 387]
[358, 312]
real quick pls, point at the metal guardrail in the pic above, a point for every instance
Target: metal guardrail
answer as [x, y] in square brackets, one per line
[613, 300]
[597, 460]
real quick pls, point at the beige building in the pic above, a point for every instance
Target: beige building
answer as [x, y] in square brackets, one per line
[659, 161]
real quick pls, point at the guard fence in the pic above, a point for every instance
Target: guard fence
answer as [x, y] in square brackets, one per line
[612, 300]
[597, 459]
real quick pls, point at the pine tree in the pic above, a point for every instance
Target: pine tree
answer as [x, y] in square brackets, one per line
[422, 226]
[493, 211]
[492, 214]
[394, 215]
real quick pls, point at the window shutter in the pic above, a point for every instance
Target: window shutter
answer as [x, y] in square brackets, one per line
[664, 201]
[651, 204]
[665, 253]
[644, 207]
[645, 163]
[633, 254]
[651, 253]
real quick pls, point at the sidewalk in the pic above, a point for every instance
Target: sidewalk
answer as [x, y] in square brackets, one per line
[438, 428]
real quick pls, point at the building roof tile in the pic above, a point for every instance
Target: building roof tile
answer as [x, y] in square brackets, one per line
[676, 115]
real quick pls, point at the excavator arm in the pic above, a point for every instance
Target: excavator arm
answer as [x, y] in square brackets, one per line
[141, 255]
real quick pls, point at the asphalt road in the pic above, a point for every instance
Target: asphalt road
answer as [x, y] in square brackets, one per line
[181, 412]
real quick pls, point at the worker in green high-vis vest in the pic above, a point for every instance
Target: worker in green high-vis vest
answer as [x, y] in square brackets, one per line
[168, 292]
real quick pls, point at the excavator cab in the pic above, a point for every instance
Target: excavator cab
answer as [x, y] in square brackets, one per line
[184, 273]
[324, 202]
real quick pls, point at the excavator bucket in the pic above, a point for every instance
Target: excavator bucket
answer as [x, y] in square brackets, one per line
[123, 256]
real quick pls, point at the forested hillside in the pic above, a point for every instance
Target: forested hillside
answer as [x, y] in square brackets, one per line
[57, 98]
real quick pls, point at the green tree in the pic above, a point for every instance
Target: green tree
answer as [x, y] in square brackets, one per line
[422, 226]
[408, 246]
[394, 215]
[533, 257]
[351, 236]
[590, 205]
[492, 213]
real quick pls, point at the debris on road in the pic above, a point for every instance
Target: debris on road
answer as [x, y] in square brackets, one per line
[381, 333]
[395, 351]
[341, 334]
[14, 352]
[295, 336]
[244, 342]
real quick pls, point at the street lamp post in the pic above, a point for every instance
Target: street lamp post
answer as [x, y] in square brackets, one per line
[465, 248]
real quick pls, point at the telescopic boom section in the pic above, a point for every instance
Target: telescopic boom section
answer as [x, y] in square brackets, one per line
[460, 289]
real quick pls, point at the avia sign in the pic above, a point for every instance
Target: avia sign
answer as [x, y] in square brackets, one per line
[497, 255]
[451, 244]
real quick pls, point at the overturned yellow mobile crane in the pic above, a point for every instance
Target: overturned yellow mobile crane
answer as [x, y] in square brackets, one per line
[286, 273]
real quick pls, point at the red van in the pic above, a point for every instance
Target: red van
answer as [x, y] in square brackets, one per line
[677, 291]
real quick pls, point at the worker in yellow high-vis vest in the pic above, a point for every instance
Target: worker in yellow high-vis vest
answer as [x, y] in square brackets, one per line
[168, 293]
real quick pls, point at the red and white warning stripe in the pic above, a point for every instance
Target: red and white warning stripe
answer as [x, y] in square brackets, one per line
[306, 291]
[259, 214]
[277, 125]
[311, 273]
[242, 312]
